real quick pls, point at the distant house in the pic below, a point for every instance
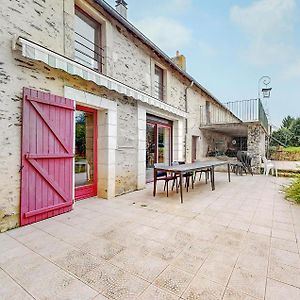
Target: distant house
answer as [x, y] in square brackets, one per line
[89, 104]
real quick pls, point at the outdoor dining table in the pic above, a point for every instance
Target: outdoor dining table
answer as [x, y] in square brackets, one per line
[191, 167]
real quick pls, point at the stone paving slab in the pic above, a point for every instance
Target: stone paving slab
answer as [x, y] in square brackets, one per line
[237, 242]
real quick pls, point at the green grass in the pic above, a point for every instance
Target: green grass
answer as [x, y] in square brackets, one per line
[292, 149]
[292, 192]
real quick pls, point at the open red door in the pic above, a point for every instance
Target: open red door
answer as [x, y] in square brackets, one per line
[47, 156]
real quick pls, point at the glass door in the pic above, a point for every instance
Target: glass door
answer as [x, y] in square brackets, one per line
[158, 144]
[85, 152]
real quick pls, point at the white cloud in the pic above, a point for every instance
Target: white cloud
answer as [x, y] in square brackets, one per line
[179, 6]
[269, 26]
[167, 33]
[265, 17]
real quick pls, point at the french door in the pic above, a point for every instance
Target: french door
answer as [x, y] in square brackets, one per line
[85, 152]
[158, 144]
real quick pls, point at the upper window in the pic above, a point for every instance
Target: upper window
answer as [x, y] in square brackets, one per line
[159, 83]
[88, 49]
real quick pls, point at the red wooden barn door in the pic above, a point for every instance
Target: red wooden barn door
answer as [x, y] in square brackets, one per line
[47, 156]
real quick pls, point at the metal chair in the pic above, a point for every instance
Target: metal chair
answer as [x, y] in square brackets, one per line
[162, 175]
[238, 167]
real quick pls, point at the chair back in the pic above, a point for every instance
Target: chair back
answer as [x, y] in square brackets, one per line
[161, 173]
[246, 160]
[265, 161]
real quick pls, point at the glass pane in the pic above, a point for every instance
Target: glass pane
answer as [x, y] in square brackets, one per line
[84, 148]
[158, 83]
[85, 43]
[150, 150]
[163, 145]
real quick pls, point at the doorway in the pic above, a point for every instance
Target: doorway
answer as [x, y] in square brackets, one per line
[194, 147]
[85, 167]
[158, 143]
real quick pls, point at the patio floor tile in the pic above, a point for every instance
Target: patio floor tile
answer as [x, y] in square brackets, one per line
[202, 288]
[248, 282]
[284, 273]
[9, 289]
[173, 280]
[277, 291]
[115, 283]
[155, 293]
[232, 294]
[284, 245]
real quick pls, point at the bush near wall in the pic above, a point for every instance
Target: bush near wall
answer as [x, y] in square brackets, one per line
[289, 153]
[292, 192]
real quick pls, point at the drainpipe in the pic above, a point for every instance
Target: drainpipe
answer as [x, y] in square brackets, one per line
[186, 120]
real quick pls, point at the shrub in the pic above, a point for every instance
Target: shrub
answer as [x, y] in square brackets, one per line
[292, 192]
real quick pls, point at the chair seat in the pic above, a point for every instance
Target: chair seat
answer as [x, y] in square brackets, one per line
[161, 173]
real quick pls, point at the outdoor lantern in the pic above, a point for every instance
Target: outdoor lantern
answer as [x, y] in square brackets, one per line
[266, 92]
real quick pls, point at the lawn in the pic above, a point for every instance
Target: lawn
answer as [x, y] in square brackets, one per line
[292, 149]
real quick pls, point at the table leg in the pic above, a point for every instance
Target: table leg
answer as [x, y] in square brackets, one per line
[155, 181]
[212, 178]
[228, 169]
[180, 185]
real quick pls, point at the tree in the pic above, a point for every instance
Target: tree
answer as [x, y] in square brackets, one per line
[288, 134]
[287, 121]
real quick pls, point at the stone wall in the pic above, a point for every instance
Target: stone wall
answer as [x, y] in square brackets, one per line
[50, 23]
[256, 144]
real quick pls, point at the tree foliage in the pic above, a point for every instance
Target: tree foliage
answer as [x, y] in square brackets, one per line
[288, 134]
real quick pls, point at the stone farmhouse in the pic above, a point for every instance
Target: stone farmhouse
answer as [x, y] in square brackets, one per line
[89, 104]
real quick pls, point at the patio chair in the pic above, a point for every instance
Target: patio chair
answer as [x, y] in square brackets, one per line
[246, 160]
[187, 176]
[161, 175]
[269, 166]
[243, 164]
[238, 167]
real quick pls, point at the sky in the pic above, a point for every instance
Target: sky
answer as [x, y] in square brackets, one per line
[230, 44]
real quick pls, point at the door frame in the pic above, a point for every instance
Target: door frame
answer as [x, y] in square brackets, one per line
[88, 190]
[156, 125]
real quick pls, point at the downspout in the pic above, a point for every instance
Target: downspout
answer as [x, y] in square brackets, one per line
[186, 120]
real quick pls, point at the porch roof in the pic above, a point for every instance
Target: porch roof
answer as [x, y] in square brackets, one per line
[231, 129]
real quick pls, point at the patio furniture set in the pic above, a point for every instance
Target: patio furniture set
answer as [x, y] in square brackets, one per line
[178, 171]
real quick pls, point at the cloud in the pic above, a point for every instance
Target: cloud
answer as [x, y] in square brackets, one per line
[179, 6]
[269, 28]
[265, 17]
[166, 33]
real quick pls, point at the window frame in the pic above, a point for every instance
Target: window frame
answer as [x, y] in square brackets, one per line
[98, 47]
[160, 88]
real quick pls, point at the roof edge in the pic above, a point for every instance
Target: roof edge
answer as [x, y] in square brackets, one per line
[110, 10]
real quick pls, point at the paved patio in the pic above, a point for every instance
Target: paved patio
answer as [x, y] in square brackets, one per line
[238, 242]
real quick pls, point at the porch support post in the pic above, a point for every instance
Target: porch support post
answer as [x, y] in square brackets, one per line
[256, 144]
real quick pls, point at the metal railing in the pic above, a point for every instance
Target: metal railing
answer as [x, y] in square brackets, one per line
[88, 53]
[159, 91]
[211, 114]
[250, 110]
